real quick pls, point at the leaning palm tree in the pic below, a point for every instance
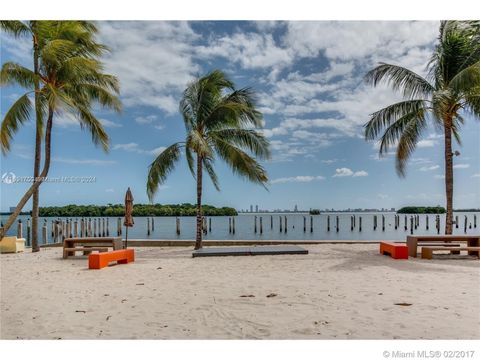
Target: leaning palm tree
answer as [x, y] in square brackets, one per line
[451, 90]
[71, 81]
[36, 30]
[220, 122]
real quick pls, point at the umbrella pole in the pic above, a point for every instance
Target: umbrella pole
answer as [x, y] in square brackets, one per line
[126, 237]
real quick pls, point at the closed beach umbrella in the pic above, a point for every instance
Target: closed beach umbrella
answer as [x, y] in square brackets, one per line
[128, 222]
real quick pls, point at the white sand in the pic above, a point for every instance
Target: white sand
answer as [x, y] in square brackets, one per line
[335, 292]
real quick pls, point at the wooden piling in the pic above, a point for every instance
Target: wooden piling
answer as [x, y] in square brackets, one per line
[360, 224]
[286, 225]
[108, 226]
[255, 224]
[75, 228]
[328, 222]
[177, 225]
[44, 232]
[119, 226]
[229, 225]
[338, 224]
[406, 227]
[304, 224]
[456, 221]
[437, 223]
[148, 226]
[28, 232]
[475, 221]
[153, 224]
[261, 225]
[280, 223]
[233, 225]
[426, 222]
[311, 224]
[271, 222]
[209, 224]
[351, 222]
[465, 225]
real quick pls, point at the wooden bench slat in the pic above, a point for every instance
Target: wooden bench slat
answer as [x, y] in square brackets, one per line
[427, 251]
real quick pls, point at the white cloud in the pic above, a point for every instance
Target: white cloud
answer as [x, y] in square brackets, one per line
[461, 166]
[346, 172]
[359, 39]
[438, 176]
[426, 143]
[109, 190]
[343, 172]
[83, 161]
[476, 175]
[146, 119]
[360, 173]
[329, 161]
[301, 179]
[134, 147]
[250, 50]
[153, 60]
[429, 168]
[110, 124]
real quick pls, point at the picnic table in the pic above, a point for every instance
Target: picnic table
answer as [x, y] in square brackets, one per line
[427, 240]
[89, 244]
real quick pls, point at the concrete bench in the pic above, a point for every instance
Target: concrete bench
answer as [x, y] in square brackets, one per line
[101, 260]
[396, 251]
[427, 251]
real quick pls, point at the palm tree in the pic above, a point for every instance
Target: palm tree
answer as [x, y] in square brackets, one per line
[451, 90]
[36, 30]
[220, 121]
[71, 80]
[18, 29]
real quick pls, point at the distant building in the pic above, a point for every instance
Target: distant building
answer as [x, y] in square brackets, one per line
[295, 209]
[251, 208]
[392, 209]
[12, 208]
[256, 208]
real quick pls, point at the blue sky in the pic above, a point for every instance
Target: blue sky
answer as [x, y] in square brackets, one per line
[308, 78]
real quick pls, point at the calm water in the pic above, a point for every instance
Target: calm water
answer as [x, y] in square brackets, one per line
[165, 227]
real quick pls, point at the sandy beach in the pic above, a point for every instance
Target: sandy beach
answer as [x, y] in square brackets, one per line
[338, 291]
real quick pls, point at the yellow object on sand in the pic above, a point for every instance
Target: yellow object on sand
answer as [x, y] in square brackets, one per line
[12, 244]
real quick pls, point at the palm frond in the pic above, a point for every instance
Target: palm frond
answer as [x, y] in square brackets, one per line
[467, 79]
[385, 117]
[14, 27]
[409, 83]
[396, 130]
[246, 139]
[240, 162]
[15, 74]
[17, 115]
[407, 144]
[161, 167]
[208, 165]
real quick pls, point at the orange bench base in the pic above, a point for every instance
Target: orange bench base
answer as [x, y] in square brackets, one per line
[101, 260]
[396, 251]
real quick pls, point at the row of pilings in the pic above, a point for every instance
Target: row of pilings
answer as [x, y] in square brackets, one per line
[59, 229]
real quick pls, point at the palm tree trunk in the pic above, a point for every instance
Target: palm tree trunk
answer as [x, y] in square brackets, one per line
[42, 176]
[198, 239]
[38, 149]
[448, 175]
